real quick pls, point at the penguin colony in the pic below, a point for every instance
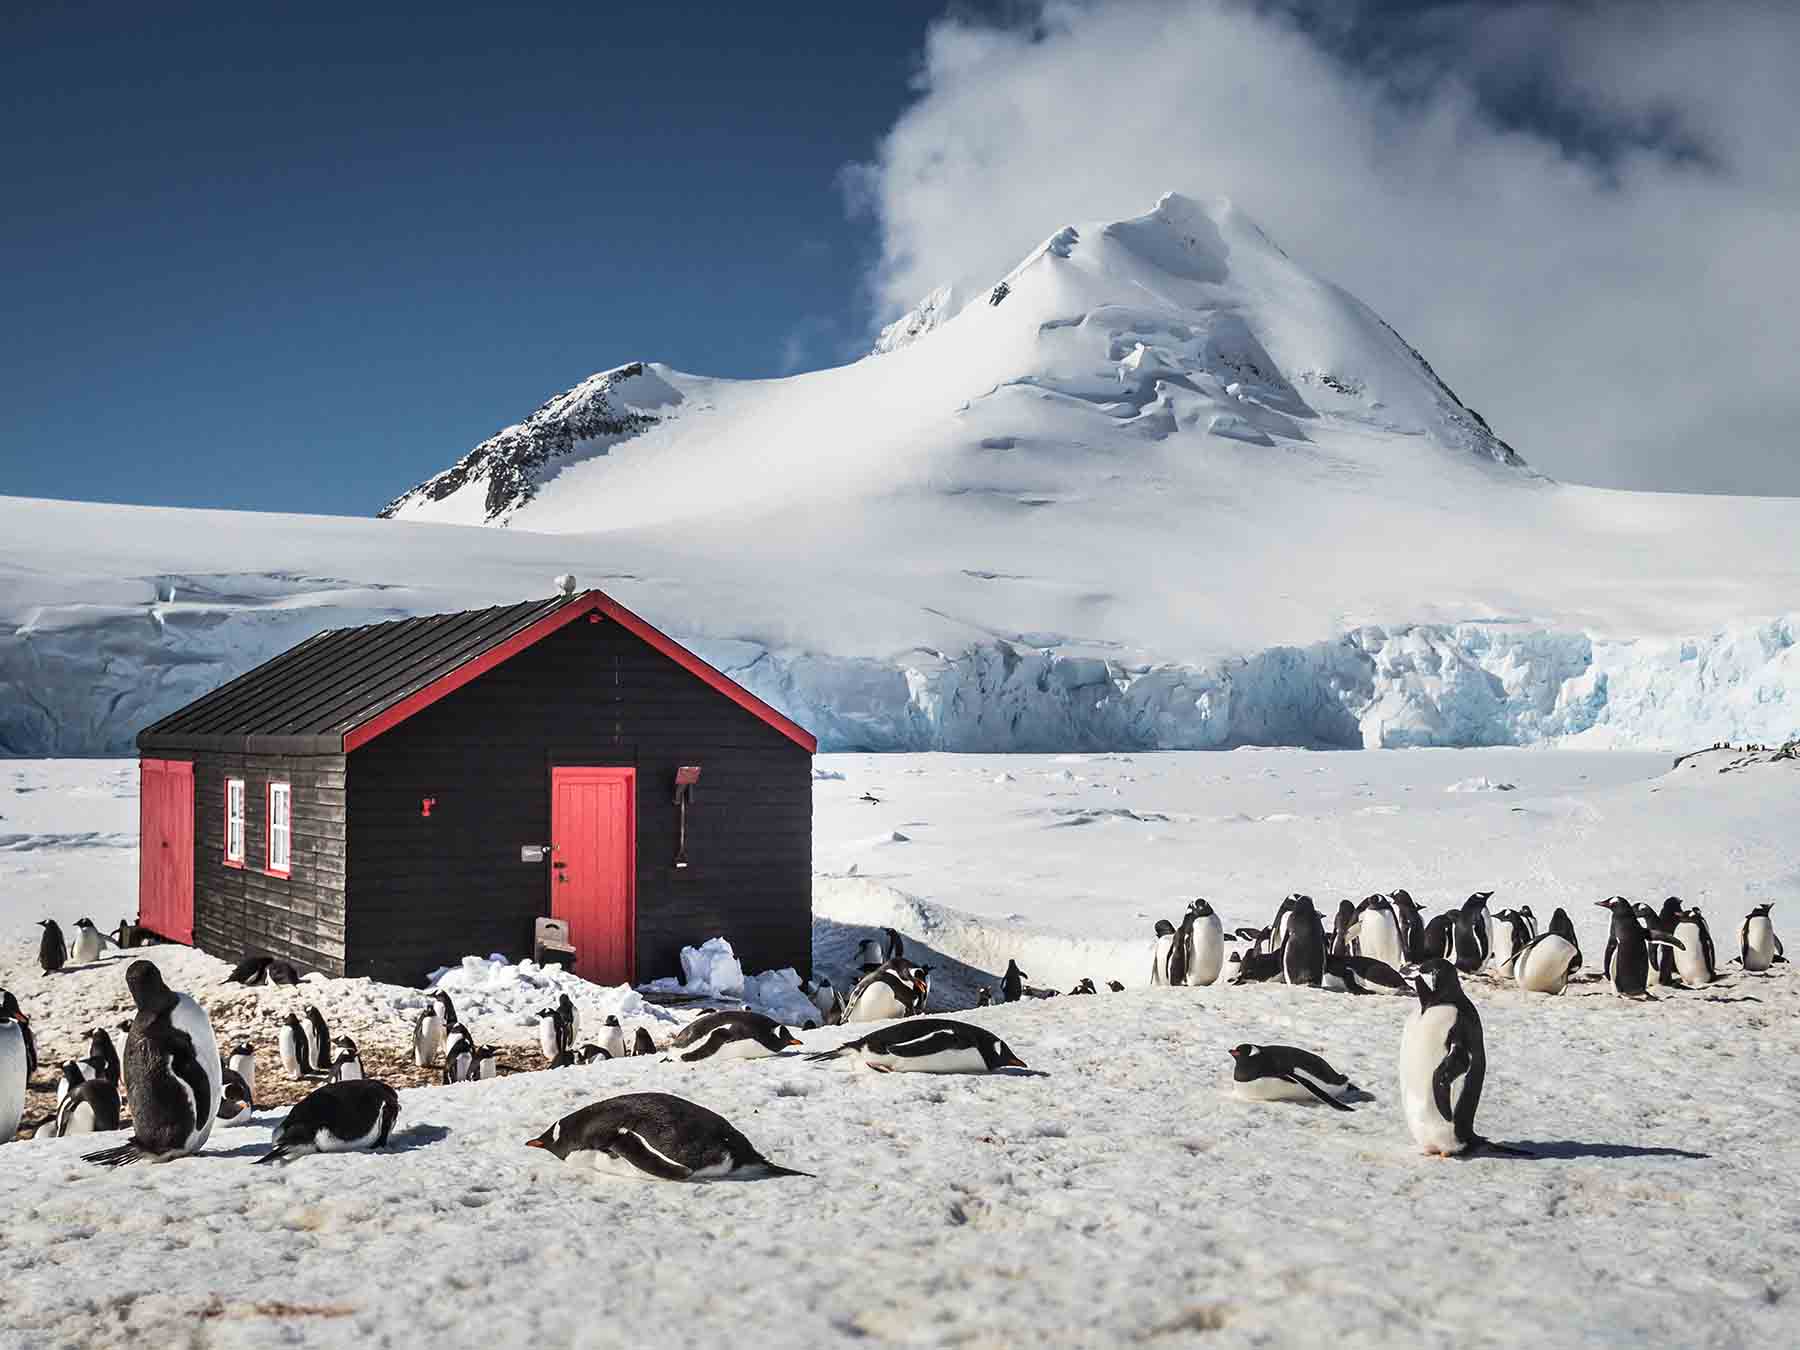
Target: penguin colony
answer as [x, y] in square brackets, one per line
[177, 1085]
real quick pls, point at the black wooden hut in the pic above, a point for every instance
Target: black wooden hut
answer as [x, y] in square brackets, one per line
[383, 800]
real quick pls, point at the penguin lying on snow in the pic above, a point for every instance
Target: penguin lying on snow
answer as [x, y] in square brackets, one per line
[1545, 963]
[1362, 975]
[237, 1101]
[929, 1045]
[895, 989]
[1285, 1073]
[173, 1073]
[731, 1035]
[251, 970]
[337, 1118]
[347, 1066]
[656, 1135]
[1758, 947]
[92, 1108]
[1443, 1064]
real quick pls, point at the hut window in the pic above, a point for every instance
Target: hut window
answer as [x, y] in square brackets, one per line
[280, 828]
[234, 822]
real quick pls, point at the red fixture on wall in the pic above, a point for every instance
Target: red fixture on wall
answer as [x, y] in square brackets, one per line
[425, 805]
[685, 778]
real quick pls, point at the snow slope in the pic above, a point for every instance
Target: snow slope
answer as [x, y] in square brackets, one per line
[1158, 487]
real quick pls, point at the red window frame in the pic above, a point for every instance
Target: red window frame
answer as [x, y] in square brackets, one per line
[243, 823]
[269, 825]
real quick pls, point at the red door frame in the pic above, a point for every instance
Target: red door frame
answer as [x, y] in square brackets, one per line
[580, 773]
[166, 848]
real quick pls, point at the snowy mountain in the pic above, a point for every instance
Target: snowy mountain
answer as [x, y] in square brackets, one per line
[1158, 486]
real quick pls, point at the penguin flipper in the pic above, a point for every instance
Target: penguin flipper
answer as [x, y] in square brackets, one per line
[1317, 1091]
[633, 1148]
[1454, 1065]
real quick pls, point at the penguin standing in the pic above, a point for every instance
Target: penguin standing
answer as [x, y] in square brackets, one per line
[1443, 1063]
[92, 1108]
[641, 1043]
[1206, 944]
[1438, 942]
[10, 1011]
[1285, 1073]
[1378, 932]
[318, 1037]
[1507, 934]
[295, 1048]
[174, 1073]
[428, 1035]
[73, 1074]
[612, 1037]
[1695, 961]
[731, 1035]
[53, 954]
[1469, 926]
[89, 943]
[1162, 953]
[1303, 951]
[12, 1076]
[888, 991]
[1628, 949]
[825, 999]
[1342, 944]
[1412, 926]
[571, 1016]
[1531, 922]
[459, 1056]
[1758, 947]
[242, 1062]
[487, 1064]
[1181, 950]
[237, 1103]
[337, 1118]
[656, 1135]
[869, 955]
[1662, 963]
[929, 1045]
[1560, 924]
[347, 1067]
[1545, 964]
[1012, 984]
[103, 1056]
[550, 1033]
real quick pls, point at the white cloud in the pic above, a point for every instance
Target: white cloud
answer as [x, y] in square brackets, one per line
[1585, 218]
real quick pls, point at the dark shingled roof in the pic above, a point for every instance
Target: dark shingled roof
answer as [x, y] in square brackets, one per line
[314, 698]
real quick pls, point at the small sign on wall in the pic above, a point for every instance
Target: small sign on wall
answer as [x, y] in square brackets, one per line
[532, 852]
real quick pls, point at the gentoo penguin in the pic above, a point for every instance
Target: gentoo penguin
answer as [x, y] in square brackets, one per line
[1438, 942]
[295, 1048]
[1341, 941]
[10, 1011]
[984, 997]
[336, 1118]
[1180, 950]
[1695, 961]
[888, 991]
[929, 1045]
[895, 945]
[72, 1074]
[1285, 1073]
[1378, 932]
[428, 1035]
[1303, 950]
[1012, 984]
[92, 1108]
[1662, 964]
[588, 1054]
[1758, 947]
[656, 1135]
[641, 1042]
[242, 1062]
[125, 935]
[1628, 949]
[1118, 988]
[89, 943]
[459, 1056]
[1163, 953]
[550, 1033]
[730, 1035]
[824, 997]
[612, 1037]
[1545, 963]
[103, 1055]
[1085, 987]
[487, 1063]
[1442, 1065]
[1364, 975]
[237, 1103]
[173, 1073]
[53, 955]
[1412, 927]
[251, 970]
[567, 1059]
[1255, 967]
[571, 1016]
[1278, 927]
[12, 1076]
[347, 1066]
[1206, 944]
[1531, 923]
[1509, 932]
[869, 955]
[1560, 924]
[318, 1037]
[1470, 926]
[283, 972]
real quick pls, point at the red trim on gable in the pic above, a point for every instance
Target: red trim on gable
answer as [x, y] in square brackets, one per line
[593, 602]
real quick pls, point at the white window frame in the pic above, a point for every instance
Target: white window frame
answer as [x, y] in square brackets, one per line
[281, 829]
[236, 818]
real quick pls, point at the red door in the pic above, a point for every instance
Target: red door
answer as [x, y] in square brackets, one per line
[593, 869]
[166, 848]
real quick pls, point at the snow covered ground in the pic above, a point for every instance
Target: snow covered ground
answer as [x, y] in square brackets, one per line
[1122, 1194]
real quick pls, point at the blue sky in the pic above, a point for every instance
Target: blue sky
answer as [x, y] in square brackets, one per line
[299, 262]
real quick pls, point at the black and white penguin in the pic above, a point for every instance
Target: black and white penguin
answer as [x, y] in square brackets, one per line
[487, 1063]
[984, 997]
[929, 1045]
[1758, 947]
[550, 1034]
[1695, 960]
[92, 1108]
[869, 955]
[824, 997]
[896, 945]
[1205, 944]
[730, 1035]
[1443, 1064]
[318, 1037]
[72, 1074]
[642, 1042]
[102, 1054]
[1438, 942]
[13, 1076]
[1116, 987]
[295, 1048]
[1470, 929]
[242, 1062]
[337, 1118]
[237, 1103]
[459, 1056]
[1181, 950]
[346, 1066]
[1560, 924]
[1303, 950]
[888, 991]
[571, 1016]
[10, 1011]
[251, 970]
[1086, 986]
[653, 1134]
[1412, 926]
[428, 1035]
[173, 1073]
[612, 1037]
[125, 936]
[1364, 975]
[1341, 941]
[283, 972]
[1508, 933]
[1628, 948]
[1662, 959]
[1545, 964]
[1378, 932]
[1285, 1073]
[88, 944]
[1012, 984]
[1255, 967]
[1162, 955]
[588, 1054]
[1278, 926]
[1531, 922]
[53, 954]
